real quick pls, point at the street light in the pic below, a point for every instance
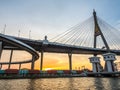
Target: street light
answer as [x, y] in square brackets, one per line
[19, 33]
[29, 34]
[4, 29]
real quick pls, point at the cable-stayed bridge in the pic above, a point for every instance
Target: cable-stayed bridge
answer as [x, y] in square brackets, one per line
[94, 36]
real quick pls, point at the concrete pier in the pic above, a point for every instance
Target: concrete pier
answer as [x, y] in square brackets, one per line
[96, 66]
[70, 60]
[41, 61]
[11, 55]
[109, 62]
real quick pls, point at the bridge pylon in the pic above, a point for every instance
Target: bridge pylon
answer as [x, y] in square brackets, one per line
[108, 57]
[98, 32]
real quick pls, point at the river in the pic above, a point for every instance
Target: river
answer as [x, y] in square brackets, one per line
[79, 83]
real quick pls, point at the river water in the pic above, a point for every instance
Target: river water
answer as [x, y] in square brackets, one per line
[79, 83]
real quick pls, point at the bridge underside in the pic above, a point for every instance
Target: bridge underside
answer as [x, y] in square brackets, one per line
[57, 48]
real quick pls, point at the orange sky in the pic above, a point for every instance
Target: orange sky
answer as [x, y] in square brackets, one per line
[61, 61]
[51, 60]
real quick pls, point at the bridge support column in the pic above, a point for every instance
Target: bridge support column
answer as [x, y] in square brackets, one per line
[33, 63]
[70, 61]
[0, 49]
[0, 66]
[41, 62]
[96, 66]
[11, 54]
[109, 62]
[19, 66]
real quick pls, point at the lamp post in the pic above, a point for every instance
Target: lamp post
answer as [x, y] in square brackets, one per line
[19, 33]
[4, 29]
[30, 34]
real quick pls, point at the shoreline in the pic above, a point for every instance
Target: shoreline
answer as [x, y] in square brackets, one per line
[57, 76]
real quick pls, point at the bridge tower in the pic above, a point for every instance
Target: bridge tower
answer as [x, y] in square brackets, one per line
[108, 57]
[96, 66]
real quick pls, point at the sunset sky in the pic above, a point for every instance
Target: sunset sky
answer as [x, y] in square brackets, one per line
[52, 17]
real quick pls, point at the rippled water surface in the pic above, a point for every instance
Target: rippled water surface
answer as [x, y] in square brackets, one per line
[82, 83]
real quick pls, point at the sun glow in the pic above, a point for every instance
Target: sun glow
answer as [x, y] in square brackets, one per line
[48, 69]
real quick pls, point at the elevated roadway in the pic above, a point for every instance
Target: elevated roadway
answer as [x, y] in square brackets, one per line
[53, 47]
[14, 43]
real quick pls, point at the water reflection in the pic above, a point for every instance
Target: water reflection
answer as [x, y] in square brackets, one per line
[98, 85]
[114, 83]
[81, 83]
[31, 84]
[12, 84]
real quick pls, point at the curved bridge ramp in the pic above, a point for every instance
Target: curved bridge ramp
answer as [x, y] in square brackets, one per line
[19, 44]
